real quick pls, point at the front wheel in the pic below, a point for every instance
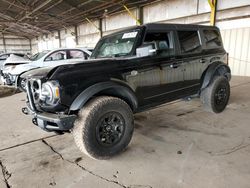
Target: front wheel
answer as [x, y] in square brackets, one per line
[215, 97]
[104, 127]
[21, 84]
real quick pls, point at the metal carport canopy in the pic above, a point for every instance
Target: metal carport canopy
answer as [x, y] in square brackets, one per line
[32, 18]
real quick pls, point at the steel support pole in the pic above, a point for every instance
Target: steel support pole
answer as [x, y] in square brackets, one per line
[213, 6]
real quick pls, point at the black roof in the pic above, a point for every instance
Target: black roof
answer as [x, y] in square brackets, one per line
[172, 26]
[158, 27]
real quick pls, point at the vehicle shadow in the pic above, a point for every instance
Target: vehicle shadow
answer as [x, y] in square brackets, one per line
[6, 91]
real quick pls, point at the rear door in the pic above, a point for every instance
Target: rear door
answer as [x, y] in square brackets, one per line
[76, 56]
[190, 54]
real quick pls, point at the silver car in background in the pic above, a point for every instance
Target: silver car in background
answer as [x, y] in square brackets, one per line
[10, 74]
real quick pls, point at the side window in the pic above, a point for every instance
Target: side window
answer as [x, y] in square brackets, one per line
[56, 56]
[163, 42]
[76, 54]
[212, 38]
[189, 41]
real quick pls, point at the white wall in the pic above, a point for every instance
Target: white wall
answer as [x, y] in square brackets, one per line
[14, 44]
[2, 48]
[88, 34]
[118, 21]
[167, 10]
[236, 43]
[67, 37]
[45, 42]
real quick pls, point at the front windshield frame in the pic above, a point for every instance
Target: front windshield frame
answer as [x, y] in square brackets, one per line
[95, 54]
[39, 55]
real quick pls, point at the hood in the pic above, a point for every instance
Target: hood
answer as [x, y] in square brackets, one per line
[87, 68]
[18, 69]
[47, 71]
[38, 73]
[16, 60]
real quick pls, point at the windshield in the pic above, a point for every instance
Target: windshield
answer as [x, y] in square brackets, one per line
[38, 55]
[117, 45]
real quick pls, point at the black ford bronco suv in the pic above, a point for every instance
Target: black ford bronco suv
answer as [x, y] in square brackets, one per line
[129, 71]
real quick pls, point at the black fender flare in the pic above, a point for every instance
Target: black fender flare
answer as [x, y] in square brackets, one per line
[117, 89]
[216, 68]
[18, 77]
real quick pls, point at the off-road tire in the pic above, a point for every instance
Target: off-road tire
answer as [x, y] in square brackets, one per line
[209, 96]
[85, 128]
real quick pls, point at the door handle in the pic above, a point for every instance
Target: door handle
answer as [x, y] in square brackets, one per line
[175, 65]
[202, 60]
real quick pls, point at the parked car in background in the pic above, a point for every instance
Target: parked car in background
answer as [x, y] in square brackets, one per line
[10, 74]
[5, 56]
[14, 59]
[130, 71]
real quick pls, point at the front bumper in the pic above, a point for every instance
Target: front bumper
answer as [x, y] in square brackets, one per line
[51, 122]
[8, 79]
[48, 121]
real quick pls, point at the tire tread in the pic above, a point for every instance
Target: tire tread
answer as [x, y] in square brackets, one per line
[85, 115]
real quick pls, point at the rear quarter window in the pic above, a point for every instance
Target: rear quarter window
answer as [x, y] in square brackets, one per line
[212, 39]
[189, 41]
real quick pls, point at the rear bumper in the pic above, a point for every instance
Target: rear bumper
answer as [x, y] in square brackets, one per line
[51, 122]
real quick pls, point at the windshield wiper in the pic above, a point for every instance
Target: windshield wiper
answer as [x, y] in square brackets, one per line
[120, 54]
[112, 55]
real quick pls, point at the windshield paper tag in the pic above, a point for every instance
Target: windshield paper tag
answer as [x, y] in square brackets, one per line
[129, 35]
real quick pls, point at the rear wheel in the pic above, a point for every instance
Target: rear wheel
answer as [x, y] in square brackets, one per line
[215, 97]
[104, 127]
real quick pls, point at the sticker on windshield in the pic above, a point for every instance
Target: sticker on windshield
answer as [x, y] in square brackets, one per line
[129, 35]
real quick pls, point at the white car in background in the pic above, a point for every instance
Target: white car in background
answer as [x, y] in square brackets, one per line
[5, 56]
[10, 74]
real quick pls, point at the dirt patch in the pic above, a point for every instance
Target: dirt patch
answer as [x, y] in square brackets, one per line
[7, 91]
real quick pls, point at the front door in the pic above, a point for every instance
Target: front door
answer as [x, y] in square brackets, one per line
[158, 78]
[55, 58]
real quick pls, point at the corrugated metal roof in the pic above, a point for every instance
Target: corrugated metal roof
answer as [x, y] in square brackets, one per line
[32, 18]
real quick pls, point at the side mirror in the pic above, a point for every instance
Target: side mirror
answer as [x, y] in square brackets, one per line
[146, 50]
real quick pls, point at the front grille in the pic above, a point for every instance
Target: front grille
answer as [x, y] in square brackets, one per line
[34, 91]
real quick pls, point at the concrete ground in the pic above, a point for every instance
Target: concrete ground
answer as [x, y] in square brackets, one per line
[176, 145]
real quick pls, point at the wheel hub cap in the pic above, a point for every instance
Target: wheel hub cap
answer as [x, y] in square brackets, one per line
[110, 129]
[221, 96]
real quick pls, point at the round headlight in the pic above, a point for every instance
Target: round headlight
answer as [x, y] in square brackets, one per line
[50, 93]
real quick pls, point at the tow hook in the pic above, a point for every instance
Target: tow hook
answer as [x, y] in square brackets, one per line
[34, 121]
[25, 111]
